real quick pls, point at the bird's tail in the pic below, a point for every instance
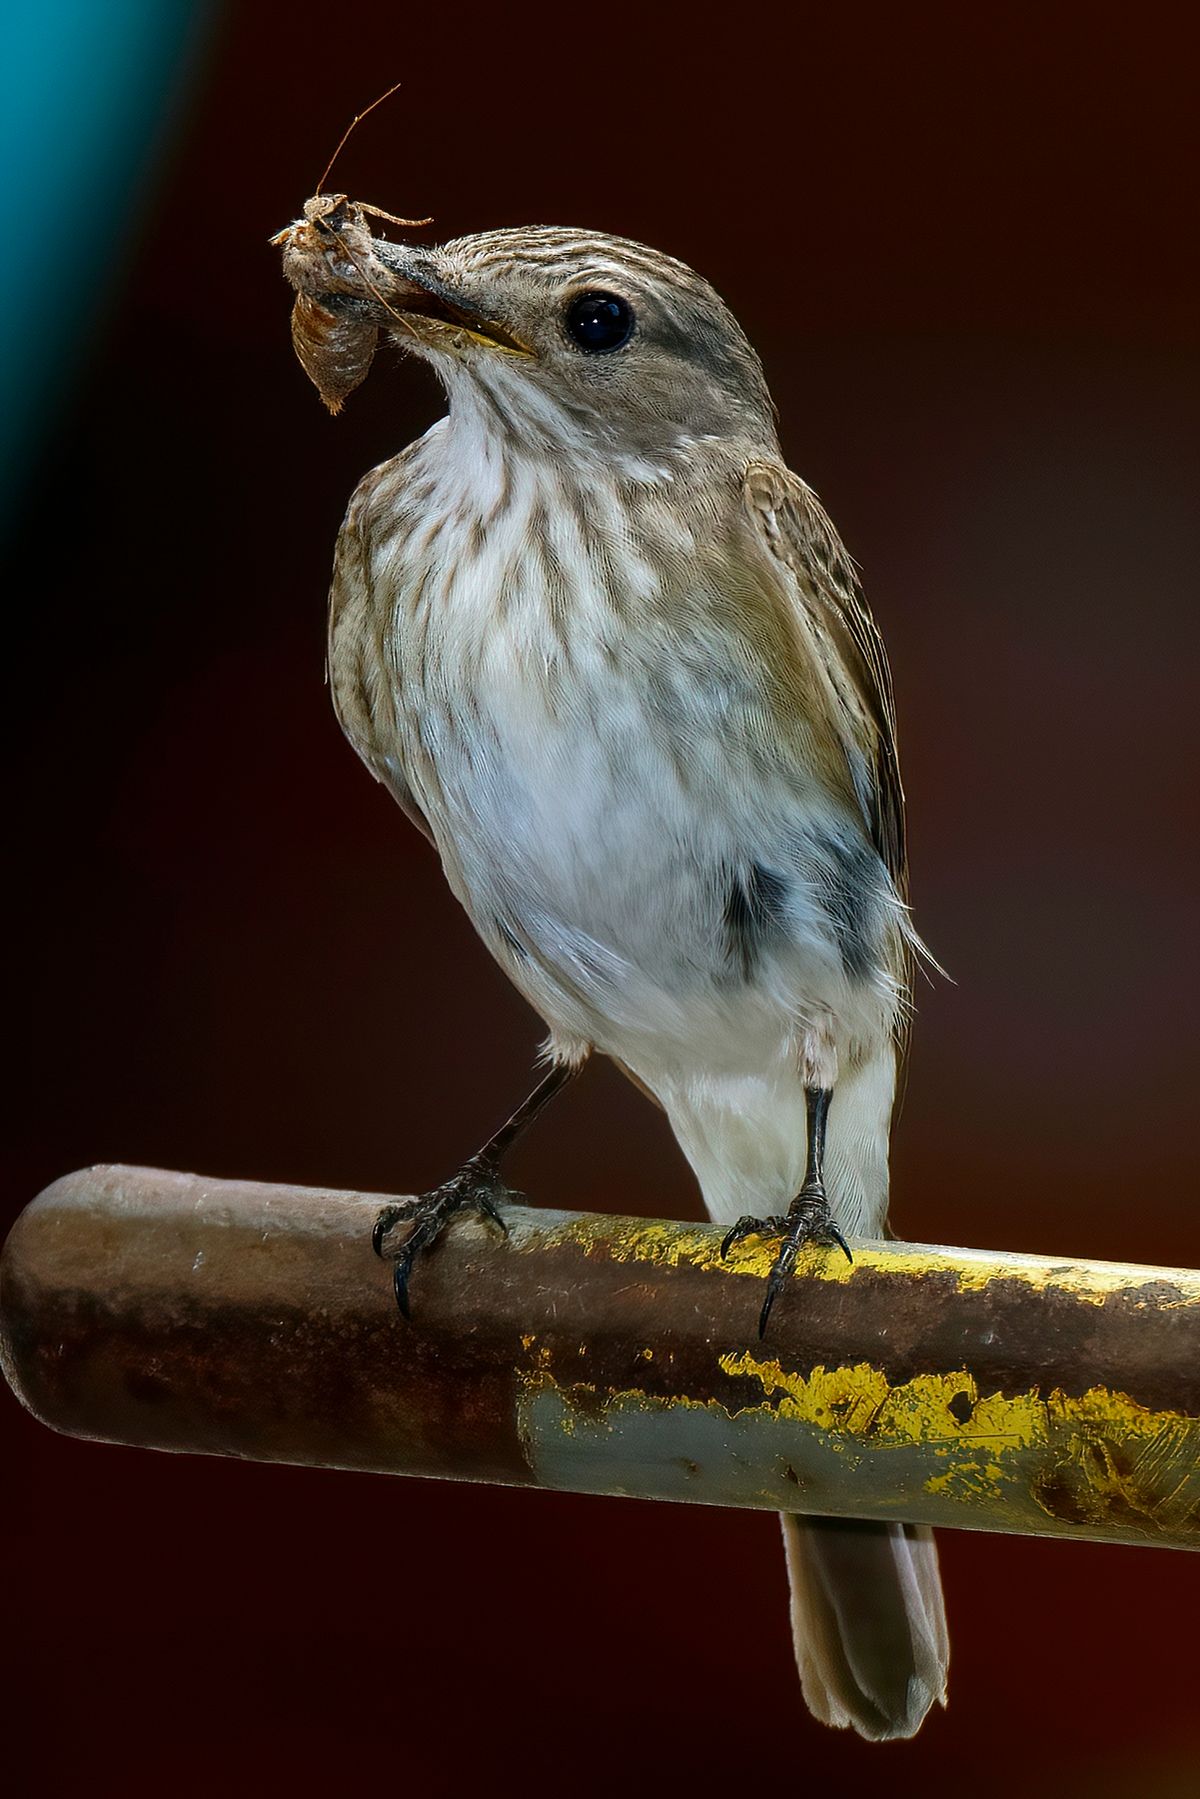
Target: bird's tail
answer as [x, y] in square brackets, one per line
[868, 1621]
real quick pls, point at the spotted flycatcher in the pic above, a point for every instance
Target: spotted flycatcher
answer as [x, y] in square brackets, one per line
[610, 656]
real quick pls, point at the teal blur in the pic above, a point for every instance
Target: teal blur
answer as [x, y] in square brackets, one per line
[88, 89]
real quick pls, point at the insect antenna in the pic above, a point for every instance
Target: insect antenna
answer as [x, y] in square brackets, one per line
[342, 141]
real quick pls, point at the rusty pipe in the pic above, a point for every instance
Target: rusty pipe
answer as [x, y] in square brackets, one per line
[614, 1355]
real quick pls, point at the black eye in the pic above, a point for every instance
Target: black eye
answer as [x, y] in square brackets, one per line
[599, 321]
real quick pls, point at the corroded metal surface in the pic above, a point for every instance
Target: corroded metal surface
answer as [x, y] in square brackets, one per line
[613, 1355]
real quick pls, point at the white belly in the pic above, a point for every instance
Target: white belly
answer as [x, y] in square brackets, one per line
[593, 834]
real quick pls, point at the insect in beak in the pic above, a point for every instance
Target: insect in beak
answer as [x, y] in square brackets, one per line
[324, 250]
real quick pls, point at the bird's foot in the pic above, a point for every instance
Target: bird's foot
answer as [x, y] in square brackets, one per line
[476, 1187]
[808, 1220]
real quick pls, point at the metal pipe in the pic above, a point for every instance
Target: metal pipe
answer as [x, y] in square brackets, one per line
[611, 1355]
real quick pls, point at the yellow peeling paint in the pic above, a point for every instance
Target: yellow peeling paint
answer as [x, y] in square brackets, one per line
[1103, 1447]
[860, 1403]
[1094, 1464]
[662, 1244]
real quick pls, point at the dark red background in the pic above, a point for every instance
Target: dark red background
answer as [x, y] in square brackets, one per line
[964, 241]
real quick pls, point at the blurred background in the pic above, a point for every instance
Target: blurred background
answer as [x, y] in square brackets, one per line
[964, 241]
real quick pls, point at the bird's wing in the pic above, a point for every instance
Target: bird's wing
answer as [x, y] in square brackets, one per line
[357, 675]
[795, 529]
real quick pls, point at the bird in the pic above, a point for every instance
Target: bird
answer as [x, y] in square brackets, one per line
[610, 656]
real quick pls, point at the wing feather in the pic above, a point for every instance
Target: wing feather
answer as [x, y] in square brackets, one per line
[356, 662]
[797, 531]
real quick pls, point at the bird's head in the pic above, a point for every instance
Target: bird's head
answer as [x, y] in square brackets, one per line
[575, 339]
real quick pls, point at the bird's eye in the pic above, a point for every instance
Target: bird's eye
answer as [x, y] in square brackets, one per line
[599, 321]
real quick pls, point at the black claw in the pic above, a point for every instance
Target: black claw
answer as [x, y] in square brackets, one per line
[490, 1210]
[383, 1225]
[840, 1241]
[768, 1302]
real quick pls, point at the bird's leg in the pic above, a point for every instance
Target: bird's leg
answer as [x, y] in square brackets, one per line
[477, 1186]
[808, 1219]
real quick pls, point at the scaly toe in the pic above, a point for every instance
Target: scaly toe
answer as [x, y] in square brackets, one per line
[751, 1227]
[810, 1221]
[476, 1186]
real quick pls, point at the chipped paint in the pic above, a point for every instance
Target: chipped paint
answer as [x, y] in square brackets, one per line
[845, 1440]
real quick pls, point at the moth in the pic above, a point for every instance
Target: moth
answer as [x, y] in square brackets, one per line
[330, 256]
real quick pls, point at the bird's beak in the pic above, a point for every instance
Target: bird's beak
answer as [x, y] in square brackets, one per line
[435, 313]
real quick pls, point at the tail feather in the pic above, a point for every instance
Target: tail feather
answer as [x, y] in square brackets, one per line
[869, 1623]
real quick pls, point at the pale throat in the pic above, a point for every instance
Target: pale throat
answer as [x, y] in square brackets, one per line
[499, 413]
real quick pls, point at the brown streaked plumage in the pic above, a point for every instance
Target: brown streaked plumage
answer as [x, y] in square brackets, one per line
[610, 655]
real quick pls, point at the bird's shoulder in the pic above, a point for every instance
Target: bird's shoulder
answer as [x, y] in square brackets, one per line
[811, 575]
